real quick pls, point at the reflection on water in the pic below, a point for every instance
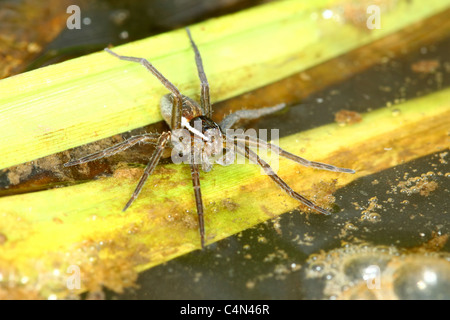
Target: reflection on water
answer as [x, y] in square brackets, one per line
[371, 272]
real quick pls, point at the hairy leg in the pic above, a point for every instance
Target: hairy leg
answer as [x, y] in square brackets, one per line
[205, 99]
[144, 138]
[177, 97]
[252, 156]
[232, 118]
[156, 156]
[252, 141]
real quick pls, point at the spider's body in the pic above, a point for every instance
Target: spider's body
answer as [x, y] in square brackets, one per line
[197, 139]
[190, 109]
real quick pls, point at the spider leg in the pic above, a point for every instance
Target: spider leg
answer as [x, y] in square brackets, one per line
[205, 100]
[252, 156]
[307, 163]
[178, 100]
[198, 201]
[161, 144]
[232, 118]
[145, 138]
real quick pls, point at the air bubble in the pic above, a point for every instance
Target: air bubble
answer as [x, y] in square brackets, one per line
[317, 267]
[87, 21]
[327, 14]
[396, 112]
[425, 279]
[374, 217]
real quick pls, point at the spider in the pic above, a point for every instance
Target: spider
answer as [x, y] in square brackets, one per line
[204, 140]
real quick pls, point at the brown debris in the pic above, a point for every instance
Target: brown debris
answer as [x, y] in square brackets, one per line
[425, 66]
[346, 117]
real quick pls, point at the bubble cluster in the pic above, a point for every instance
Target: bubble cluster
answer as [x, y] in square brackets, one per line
[379, 272]
[422, 184]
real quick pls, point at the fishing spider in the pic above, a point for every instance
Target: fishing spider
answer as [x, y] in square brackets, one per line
[206, 138]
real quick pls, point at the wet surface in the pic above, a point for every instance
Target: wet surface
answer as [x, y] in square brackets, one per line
[285, 258]
[396, 220]
[385, 218]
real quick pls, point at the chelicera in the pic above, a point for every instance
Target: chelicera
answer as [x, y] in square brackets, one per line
[201, 141]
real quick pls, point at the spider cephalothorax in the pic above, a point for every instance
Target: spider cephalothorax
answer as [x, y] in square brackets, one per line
[197, 140]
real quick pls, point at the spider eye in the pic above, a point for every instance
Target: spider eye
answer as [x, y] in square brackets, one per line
[180, 154]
